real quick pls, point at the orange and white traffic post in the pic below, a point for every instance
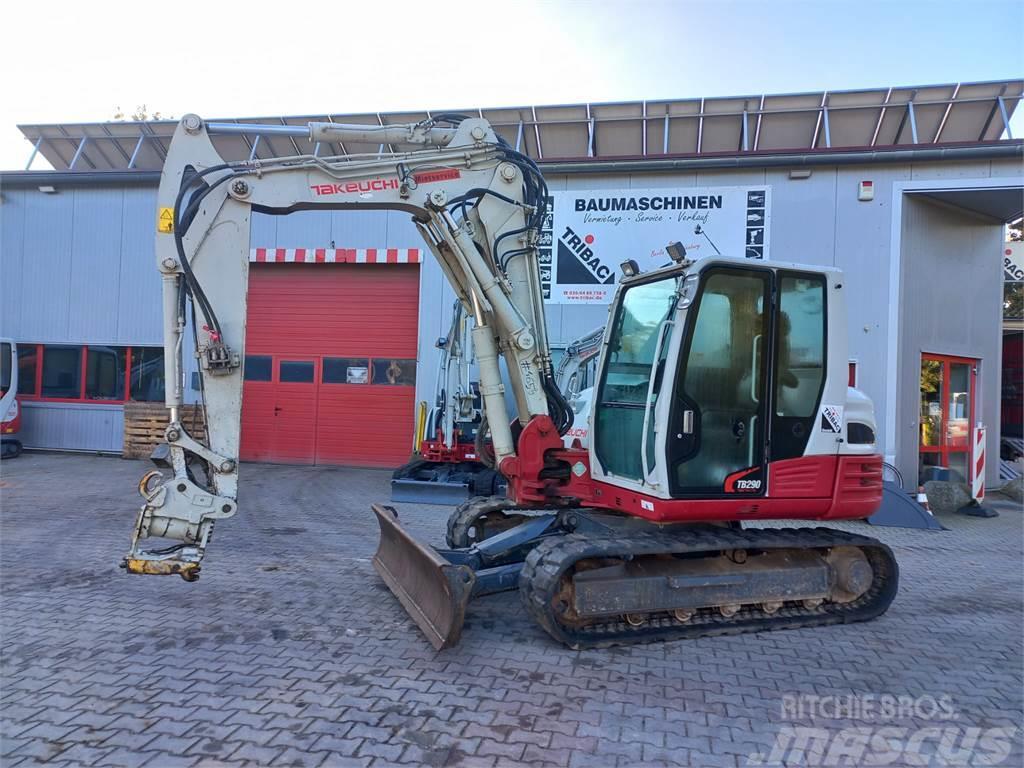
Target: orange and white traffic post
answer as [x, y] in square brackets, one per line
[978, 464]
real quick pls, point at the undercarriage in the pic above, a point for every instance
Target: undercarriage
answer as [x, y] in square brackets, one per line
[592, 579]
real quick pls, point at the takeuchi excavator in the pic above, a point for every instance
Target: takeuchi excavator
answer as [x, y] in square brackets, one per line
[721, 400]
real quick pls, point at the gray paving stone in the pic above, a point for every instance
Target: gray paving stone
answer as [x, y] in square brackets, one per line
[315, 661]
[296, 758]
[171, 744]
[513, 751]
[388, 753]
[169, 760]
[128, 758]
[47, 732]
[337, 747]
[261, 755]
[80, 754]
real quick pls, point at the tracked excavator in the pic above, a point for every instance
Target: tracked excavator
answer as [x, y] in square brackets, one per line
[721, 400]
[450, 462]
[454, 459]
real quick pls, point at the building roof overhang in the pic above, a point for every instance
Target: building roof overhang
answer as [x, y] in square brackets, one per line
[765, 125]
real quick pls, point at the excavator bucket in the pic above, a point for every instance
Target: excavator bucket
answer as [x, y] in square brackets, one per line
[433, 591]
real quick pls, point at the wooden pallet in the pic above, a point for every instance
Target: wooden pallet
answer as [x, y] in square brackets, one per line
[145, 423]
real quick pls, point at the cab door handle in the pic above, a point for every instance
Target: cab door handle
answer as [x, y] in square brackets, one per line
[688, 422]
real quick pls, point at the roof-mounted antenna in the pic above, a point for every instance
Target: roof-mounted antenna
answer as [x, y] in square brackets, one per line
[698, 231]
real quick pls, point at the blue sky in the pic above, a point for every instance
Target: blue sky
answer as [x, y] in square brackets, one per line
[223, 60]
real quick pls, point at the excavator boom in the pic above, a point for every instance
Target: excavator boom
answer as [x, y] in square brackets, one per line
[450, 167]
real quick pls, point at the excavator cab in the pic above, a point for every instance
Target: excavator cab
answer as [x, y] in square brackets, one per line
[715, 370]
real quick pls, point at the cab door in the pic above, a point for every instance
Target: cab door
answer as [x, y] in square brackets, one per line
[631, 380]
[716, 444]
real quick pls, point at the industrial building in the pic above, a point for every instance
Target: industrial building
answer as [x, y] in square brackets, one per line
[905, 189]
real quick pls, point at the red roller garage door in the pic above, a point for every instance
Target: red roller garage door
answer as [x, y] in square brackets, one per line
[330, 364]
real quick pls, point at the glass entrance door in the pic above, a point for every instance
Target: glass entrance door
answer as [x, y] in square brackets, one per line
[947, 413]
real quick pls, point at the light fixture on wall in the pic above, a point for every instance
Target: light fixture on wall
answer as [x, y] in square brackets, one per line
[48, 190]
[800, 173]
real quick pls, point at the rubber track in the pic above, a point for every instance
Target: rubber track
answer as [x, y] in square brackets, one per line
[468, 513]
[546, 564]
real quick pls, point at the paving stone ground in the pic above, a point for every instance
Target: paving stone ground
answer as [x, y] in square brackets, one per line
[290, 651]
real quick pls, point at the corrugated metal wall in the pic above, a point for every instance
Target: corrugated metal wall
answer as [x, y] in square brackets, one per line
[77, 266]
[72, 426]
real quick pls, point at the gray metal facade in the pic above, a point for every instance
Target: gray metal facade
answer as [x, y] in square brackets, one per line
[78, 268]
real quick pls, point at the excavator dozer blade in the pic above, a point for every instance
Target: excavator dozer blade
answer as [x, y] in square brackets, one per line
[433, 591]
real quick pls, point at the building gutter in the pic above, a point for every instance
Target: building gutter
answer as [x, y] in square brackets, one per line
[78, 178]
[1002, 150]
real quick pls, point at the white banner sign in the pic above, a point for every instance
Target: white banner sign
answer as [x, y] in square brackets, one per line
[1013, 262]
[592, 232]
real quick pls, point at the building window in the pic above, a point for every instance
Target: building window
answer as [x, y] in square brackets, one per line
[90, 373]
[27, 357]
[394, 372]
[296, 371]
[147, 374]
[258, 367]
[346, 370]
[62, 372]
[105, 369]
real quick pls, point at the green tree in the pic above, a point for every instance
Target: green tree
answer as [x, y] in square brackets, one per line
[1013, 293]
[1013, 301]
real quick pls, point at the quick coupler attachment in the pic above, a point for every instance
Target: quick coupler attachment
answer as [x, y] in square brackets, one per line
[187, 571]
[173, 527]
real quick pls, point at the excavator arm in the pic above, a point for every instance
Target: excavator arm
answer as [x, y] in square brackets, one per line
[478, 205]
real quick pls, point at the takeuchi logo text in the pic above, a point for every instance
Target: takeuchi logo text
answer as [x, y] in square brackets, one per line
[381, 185]
[349, 187]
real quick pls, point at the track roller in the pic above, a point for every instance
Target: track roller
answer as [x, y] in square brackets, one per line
[589, 591]
[479, 518]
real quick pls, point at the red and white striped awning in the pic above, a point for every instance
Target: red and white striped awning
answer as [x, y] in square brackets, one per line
[335, 255]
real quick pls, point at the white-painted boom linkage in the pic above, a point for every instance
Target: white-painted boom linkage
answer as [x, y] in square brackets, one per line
[476, 202]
